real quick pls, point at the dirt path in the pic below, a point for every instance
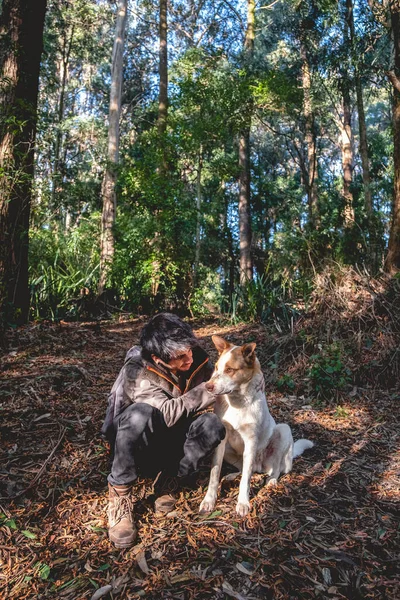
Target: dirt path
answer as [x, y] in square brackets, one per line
[329, 530]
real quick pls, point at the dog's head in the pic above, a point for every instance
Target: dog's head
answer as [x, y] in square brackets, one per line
[235, 366]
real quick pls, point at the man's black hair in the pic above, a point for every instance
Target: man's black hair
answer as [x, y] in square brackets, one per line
[165, 336]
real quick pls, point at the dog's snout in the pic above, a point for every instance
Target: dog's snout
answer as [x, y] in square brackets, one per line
[210, 386]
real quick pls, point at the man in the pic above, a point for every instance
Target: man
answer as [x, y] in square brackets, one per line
[152, 422]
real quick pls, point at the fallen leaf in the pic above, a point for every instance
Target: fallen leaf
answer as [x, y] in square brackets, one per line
[101, 592]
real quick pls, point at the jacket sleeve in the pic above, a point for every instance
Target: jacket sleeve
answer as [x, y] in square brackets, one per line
[122, 394]
[173, 409]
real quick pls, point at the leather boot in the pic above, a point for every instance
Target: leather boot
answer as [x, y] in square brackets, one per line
[121, 528]
[164, 504]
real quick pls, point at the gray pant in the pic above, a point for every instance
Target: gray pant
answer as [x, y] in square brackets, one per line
[144, 444]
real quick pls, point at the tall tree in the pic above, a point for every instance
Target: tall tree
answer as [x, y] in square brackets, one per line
[21, 42]
[362, 127]
[198, 216]
[311, 171]
[245, 257]
[66, 42]
[110, 177]
[392, 263]
[346, 133]
[162, 169]
[163, 69]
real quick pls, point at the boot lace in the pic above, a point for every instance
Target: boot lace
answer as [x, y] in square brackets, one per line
[123, 509]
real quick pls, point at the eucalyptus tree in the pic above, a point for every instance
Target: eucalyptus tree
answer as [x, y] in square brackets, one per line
[356, 57]
[306, 34]
[246, 261]
[110, 176]
[21, 42]
[163, 71]
[345, 122]
[392, 264]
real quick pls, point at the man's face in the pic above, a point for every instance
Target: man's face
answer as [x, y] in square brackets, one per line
[179, 363]
[182, 362]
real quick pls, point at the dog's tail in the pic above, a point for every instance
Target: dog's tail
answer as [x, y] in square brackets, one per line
[300, 446]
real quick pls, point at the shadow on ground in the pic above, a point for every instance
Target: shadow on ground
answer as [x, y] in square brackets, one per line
[328, 530]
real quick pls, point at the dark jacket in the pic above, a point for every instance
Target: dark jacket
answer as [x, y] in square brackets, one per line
[144, 381]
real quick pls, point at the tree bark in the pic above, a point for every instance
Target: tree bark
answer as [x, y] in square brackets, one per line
[245, 234]
[364, 149]
[347, 141]
[21, 43]
[392, 263]
[63, 77]
[163, 70]
[346, 135]
[162, 129]
[198, 218]
[110, 177]
[310, 138]
[362, 128]
[245, 257]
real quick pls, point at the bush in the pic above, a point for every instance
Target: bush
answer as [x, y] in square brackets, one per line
[328, 371]
[263, 299]
[63, 269]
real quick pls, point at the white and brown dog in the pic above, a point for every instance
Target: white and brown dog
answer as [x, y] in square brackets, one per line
[253, 441]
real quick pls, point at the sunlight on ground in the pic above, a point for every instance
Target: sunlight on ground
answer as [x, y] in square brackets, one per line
[388, 486]
[351, 418]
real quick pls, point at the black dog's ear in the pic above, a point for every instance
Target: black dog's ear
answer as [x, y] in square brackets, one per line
[220, 343]
[248, 351]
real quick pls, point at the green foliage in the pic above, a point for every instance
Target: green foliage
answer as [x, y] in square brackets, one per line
[63, 269]
[42, 570]
[341, 412]
[207, 297]
[213, 93]
[263, 299]
[286, 383]
[328, 372]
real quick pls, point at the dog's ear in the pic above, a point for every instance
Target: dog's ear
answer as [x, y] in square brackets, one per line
[248, 351]
[220, 343]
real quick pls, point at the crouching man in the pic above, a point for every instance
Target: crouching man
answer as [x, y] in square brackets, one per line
[152, 422]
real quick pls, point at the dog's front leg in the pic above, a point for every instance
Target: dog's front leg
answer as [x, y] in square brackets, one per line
[210, 498]
[243, 503]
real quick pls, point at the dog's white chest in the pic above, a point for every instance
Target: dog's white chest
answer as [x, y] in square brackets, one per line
[243, 420]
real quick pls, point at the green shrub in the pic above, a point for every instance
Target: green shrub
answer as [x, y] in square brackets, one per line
[286, 383]
[263, 299]
[207, 297]
[63, 268]
[328, 372]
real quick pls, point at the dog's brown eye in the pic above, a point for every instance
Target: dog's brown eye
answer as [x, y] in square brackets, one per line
[229, 370]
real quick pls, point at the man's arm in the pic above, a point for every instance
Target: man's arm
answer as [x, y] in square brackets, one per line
[173, 409]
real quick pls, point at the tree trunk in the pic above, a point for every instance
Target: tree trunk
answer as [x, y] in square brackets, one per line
[110, 177]
[346, 136]
[245, 257]
[310, 139]
[21, 43]
[392, 263]
[245, 235]
[163, 70]
[361, 116]
[364, 149]
[198, 218]
[347, 142]
[162, 129]
[58, 162]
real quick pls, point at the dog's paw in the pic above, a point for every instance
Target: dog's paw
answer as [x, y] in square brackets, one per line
[242, 508]
[272, 482]
[207, 506]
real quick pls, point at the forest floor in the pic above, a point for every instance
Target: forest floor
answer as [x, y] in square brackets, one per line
[330, 528]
